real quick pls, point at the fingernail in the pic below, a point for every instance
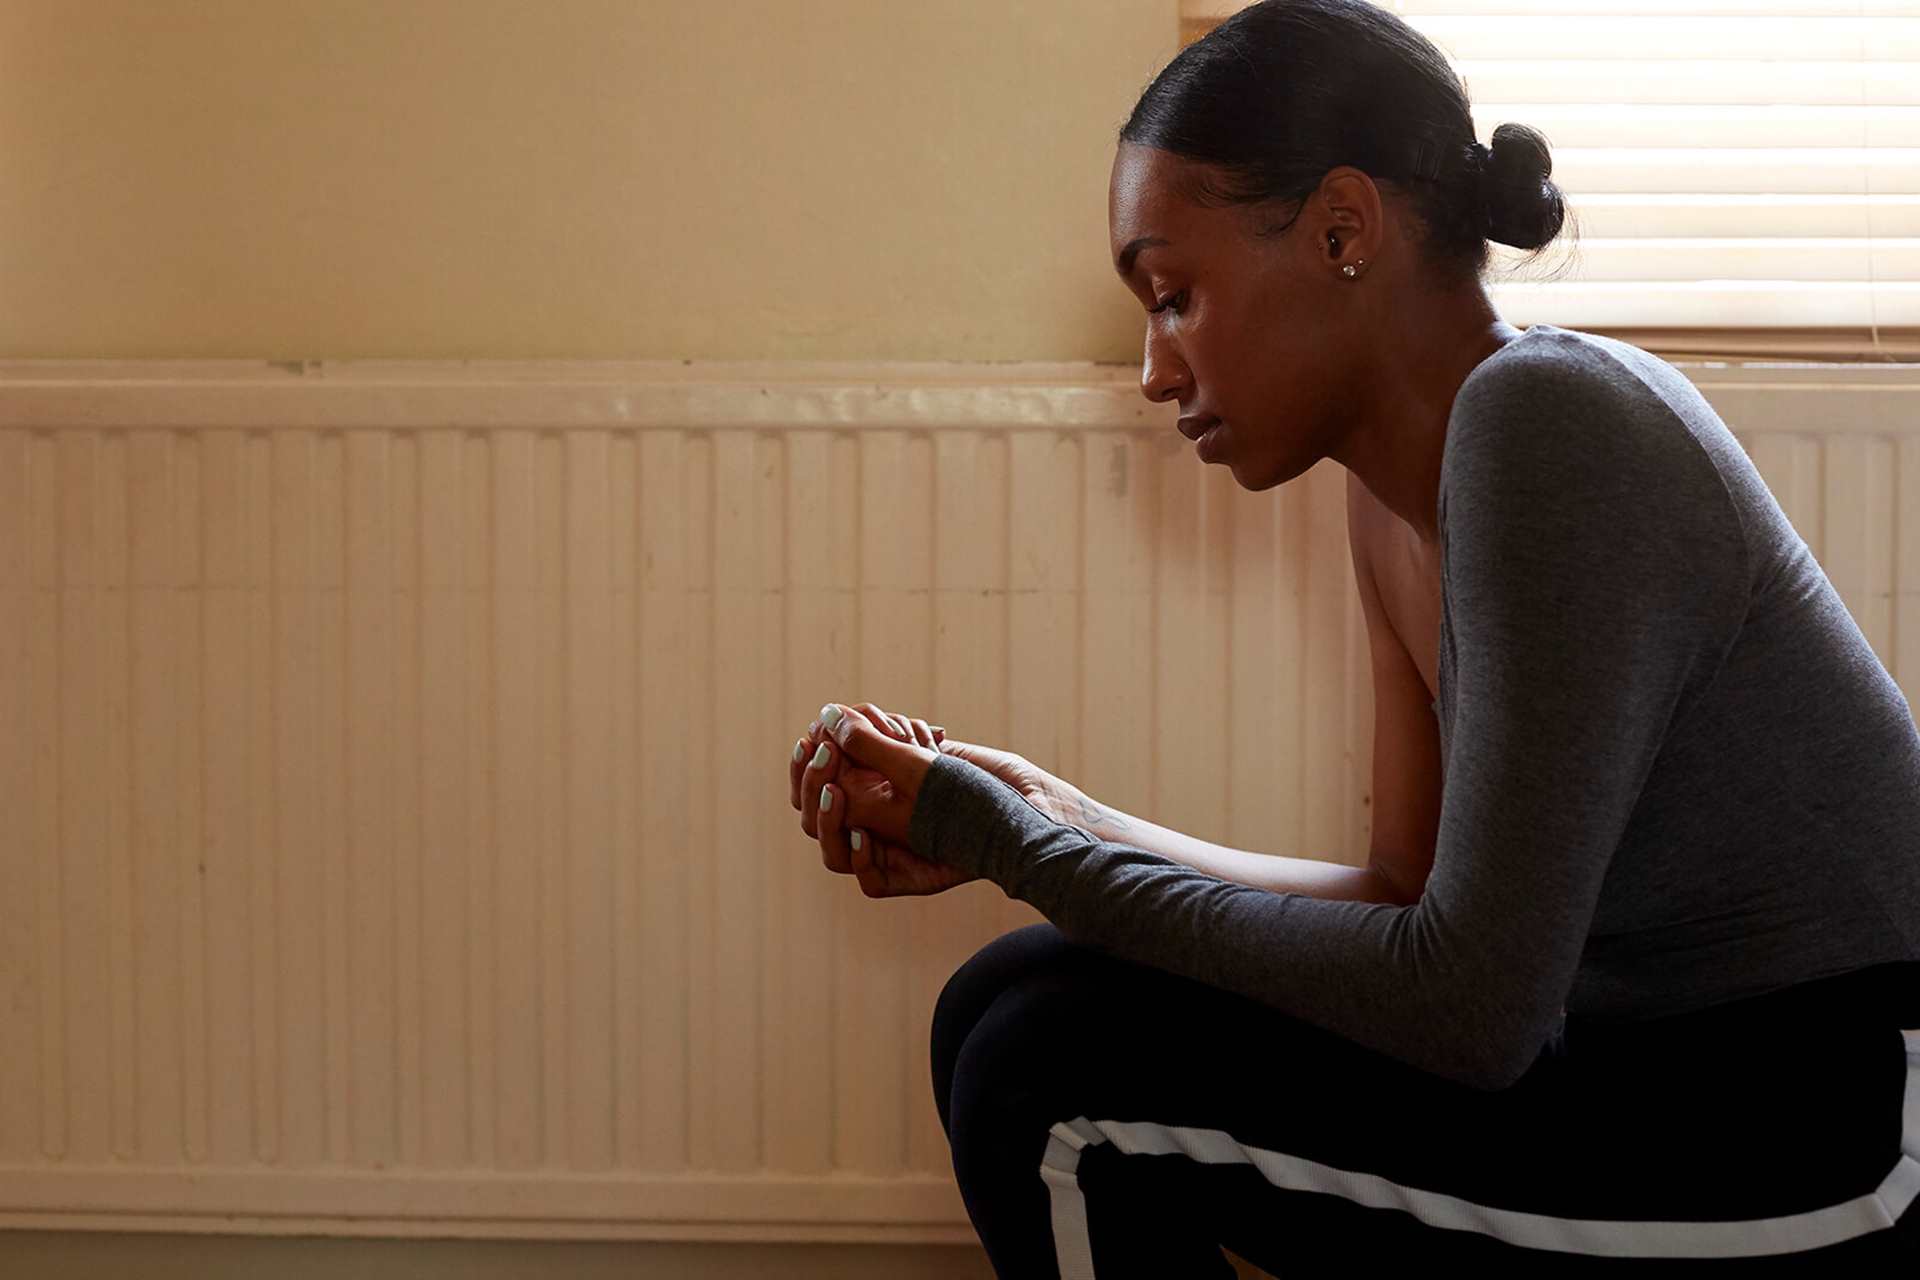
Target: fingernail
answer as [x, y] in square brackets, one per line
[800, 749]
[826, 799]
[855, 838]
[821, 756]
[830, 716]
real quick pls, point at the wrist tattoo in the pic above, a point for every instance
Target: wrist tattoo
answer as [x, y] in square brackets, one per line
[1088, 812]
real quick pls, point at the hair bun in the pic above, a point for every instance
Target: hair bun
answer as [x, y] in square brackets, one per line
[1524, 207]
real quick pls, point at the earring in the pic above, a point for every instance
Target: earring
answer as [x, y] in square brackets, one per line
[1349, 271]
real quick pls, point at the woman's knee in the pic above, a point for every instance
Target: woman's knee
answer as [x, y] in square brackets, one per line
[1024, 1066]
[977, 983]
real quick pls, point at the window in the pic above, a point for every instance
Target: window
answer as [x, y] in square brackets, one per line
[1746, 173]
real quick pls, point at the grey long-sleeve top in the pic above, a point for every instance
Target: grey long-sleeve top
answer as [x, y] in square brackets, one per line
[1676, 773]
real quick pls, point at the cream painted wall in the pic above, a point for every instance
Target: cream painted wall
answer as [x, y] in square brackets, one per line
[327, 179]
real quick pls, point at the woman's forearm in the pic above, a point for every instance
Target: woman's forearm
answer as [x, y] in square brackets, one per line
[1308, 876]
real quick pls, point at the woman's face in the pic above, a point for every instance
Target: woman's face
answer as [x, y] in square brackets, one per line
[1243, 329]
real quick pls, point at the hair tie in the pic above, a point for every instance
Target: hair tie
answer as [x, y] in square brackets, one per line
[1427, 160]
[1483, 197]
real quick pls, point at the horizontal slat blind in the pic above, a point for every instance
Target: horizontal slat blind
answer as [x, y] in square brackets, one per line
[1744, 175]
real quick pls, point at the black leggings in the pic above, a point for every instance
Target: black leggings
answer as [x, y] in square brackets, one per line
[1111, 1119]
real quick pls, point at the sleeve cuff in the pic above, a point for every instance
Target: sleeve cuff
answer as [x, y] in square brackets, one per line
[965, 817]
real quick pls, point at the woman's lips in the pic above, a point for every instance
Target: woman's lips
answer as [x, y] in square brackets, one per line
[1195, 427]
[1208, 446]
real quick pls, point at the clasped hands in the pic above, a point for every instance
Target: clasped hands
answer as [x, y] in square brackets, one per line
[854, 779]
[856, 776]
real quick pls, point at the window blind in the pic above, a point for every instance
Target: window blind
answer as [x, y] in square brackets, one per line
[1743, 175]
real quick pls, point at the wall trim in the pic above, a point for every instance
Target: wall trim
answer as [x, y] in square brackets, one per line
[481, 1204]
[698, 395]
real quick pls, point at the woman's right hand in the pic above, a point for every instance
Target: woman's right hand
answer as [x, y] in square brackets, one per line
[804, 776]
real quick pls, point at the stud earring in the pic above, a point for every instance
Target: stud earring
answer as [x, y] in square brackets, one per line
[1349, 271]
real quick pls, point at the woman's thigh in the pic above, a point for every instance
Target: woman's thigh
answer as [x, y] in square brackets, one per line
[1092, 1095]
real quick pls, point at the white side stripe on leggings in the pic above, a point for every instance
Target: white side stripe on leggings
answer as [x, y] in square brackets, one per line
[1749, 1237]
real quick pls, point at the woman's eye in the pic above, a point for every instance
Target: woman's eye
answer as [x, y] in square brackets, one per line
[1167, 304]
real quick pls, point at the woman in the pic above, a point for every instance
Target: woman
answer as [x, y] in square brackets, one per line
[1632, 986]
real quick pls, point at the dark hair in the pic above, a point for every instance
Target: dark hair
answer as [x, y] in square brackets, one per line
[1284, 90]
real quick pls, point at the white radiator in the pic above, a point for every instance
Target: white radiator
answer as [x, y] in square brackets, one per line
[394, 834]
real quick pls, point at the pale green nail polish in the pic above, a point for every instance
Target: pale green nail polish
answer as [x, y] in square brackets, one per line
[855, 837]
[821, 756]
[826, 799]
[800, 749]
[830, 716]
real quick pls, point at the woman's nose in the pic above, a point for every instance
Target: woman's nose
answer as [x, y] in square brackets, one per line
[1160, 377]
